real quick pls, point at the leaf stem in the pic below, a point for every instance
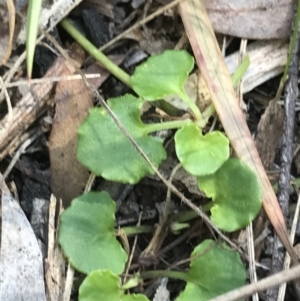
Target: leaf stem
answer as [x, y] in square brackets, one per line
[165, 273]
[191, 105]
[208, 112]
[168, 125]
[182, 217]
[98, 55]
[240, 71]
[132, 230]
[191, 214]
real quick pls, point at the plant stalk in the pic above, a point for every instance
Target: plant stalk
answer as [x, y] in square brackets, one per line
[191, 214]
[98, 55]
[191, 105]
[132, 230]
[168, 125]
[208, 112]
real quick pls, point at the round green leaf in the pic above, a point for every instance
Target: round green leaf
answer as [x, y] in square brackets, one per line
[102, 285]
[201, 155]
[105, 150]
[162, 75]
[236, 194]
[87, 235]
[215, 271]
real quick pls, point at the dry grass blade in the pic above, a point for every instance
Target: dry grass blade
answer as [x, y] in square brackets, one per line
[9, 107]
[52, 79]
[12, 20]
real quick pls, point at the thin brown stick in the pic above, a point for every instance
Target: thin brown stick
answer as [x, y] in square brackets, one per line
[48, 79]
[12, 20]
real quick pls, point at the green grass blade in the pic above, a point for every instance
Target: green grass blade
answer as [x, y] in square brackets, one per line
[31, 32]
[240, 71]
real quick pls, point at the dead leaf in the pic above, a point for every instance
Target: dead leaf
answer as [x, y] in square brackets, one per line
[73, 100]
[254, 19]
[154, 43]
[21, 274]
[269, 133]
[68, 176]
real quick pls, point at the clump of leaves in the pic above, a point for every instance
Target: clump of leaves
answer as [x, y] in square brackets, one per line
[104, 149]
[95, 251]
[87, 235]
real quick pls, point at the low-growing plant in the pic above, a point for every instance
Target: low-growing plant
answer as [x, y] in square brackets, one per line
[87, 233]
[105, 151]
[88, 238]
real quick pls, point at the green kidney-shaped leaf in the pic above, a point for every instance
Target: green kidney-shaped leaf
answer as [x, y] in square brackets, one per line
[236, 194]
[105, 150]
[162, 75]
[87, 234]
[215, 271]
[201, 155]
[105, 286]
